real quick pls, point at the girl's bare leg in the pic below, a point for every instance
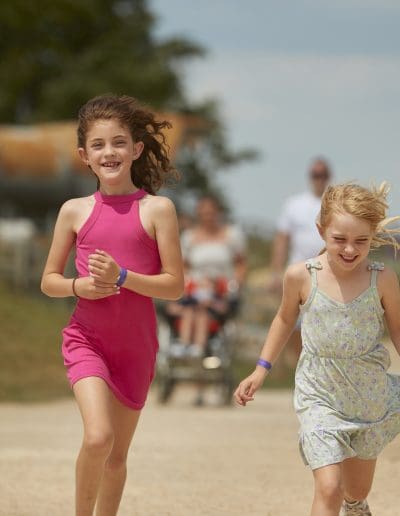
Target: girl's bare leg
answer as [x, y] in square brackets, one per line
[357, 475]
[124, 421]
[93, 397]
[328, 491]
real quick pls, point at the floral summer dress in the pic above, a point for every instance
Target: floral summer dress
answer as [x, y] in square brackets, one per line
[346, 402]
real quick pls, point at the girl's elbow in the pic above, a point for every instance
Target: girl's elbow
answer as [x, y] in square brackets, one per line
[287, 320]
[44, 287]
[178, 290]
[45, 291]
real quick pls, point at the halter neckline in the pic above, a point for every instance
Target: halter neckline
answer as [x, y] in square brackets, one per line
[116, 199]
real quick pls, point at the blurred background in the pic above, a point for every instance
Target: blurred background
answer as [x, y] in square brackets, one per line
[254, 91]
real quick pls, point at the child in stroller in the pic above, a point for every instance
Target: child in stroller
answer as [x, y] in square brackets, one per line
[204, 308]
[195, 332]
[209, 306]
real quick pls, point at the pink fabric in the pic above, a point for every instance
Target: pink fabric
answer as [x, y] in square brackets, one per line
[115, 338]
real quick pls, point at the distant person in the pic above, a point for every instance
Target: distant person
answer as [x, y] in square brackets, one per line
[297, 237]
[214, 255]
[127, 251]
[215, 268]
[347, 404]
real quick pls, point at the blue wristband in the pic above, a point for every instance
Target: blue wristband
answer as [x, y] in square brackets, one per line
[122, 277]
[264, 363]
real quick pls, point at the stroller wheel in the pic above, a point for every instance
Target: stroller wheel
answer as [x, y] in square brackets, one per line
[165, 388]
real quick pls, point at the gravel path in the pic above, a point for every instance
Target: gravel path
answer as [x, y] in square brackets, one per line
[185, 461]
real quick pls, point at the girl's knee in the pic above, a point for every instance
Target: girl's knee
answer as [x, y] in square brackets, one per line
[98, 441]
[116, 461]
[331, 490]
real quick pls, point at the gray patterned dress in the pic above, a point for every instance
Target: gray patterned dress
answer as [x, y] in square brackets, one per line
[346, 402]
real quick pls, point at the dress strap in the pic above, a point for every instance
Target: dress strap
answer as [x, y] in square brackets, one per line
[312, 267]
[375, 267]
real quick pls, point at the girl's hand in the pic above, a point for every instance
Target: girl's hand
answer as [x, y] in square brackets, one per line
[91, 288]
[247, 388]
[103, 267]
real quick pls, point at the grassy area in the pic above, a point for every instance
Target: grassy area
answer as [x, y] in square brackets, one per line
[30, 342]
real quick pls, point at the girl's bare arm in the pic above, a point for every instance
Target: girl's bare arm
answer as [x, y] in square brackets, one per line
[279, 333]
[288, 312]
[53, 282]
[169, 283]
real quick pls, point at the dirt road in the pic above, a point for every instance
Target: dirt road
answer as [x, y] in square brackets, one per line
[185, 461]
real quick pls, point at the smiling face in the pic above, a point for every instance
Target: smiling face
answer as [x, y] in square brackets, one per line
[109, 151]
[348, 240]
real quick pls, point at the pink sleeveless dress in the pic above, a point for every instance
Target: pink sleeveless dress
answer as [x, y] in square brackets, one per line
[115, 338]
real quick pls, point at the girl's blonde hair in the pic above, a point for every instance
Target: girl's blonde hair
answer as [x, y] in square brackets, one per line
[369, 204]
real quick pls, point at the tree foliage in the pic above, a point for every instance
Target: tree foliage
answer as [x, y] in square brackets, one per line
[57, 54]
[208, 155]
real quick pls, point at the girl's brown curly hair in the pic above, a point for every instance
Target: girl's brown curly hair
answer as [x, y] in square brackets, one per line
[153, 167]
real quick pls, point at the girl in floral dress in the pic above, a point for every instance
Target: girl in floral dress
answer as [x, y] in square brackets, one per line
[347, 404]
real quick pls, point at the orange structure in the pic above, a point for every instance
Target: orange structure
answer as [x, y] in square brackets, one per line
[40, 165]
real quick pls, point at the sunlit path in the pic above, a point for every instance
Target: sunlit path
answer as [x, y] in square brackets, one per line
[185, 461]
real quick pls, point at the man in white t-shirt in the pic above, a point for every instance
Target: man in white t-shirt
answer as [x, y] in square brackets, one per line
[296, 228]
[297, 237]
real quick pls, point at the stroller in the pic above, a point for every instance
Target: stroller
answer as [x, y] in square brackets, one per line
[176, 364]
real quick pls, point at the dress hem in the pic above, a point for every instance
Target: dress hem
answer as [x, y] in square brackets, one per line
[120, 397]
[338, 461]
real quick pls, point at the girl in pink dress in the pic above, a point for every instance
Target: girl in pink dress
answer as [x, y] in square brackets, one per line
[127, 252]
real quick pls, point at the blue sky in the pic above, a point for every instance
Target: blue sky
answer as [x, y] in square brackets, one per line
[297, 79]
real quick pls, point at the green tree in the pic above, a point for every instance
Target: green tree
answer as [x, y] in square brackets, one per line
[56, 54]
[208, 154]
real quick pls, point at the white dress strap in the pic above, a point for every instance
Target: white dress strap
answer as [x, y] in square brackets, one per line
[375, 267]
[312, 267]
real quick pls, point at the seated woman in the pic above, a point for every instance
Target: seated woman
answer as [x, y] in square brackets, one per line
[215, 268]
